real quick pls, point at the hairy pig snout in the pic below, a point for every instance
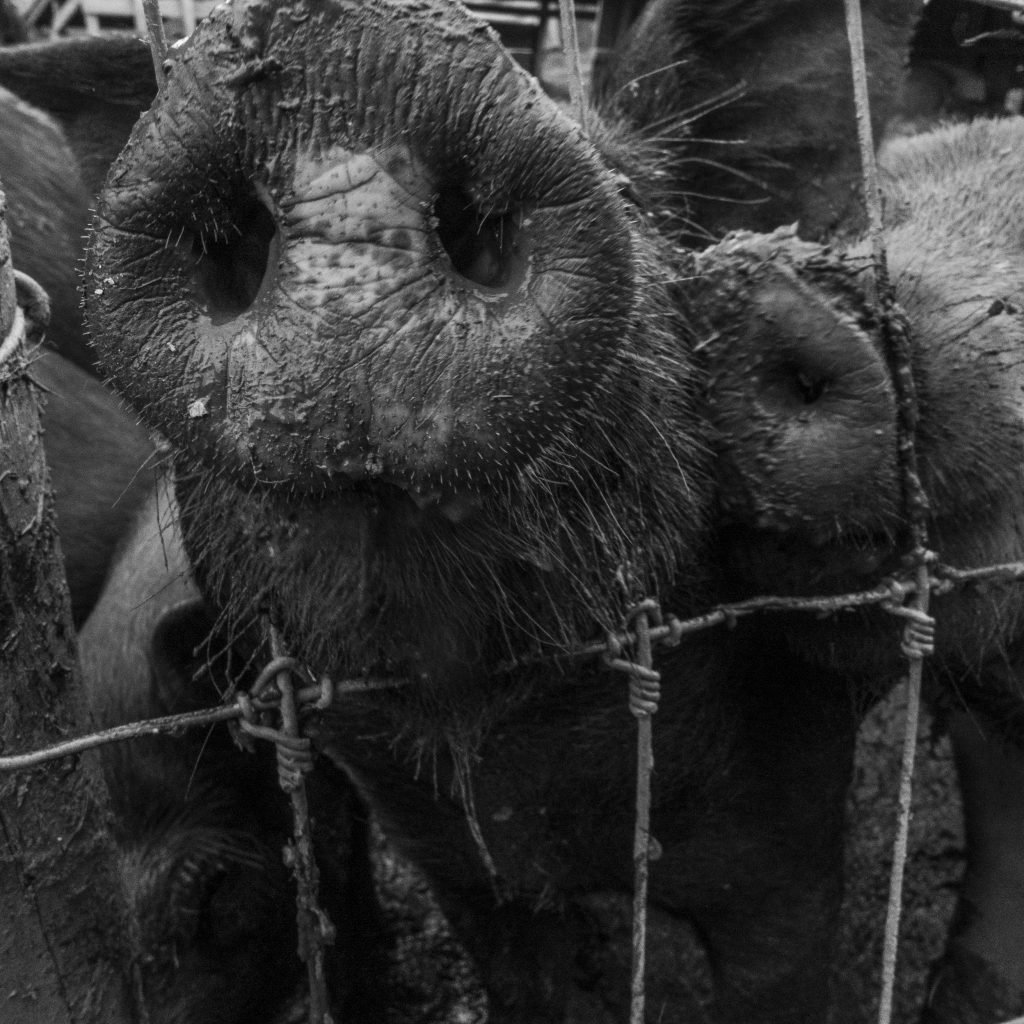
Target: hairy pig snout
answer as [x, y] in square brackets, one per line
[801, 402]
[395, 259]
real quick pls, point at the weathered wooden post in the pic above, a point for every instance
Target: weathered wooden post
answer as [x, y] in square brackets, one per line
[59, 917]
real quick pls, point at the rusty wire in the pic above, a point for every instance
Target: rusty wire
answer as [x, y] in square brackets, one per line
[30, 319]
[295, 760]
[895, 331]
[891, 593]
[315, 928]
[644, 695]
[571, 52]
[942, 580]
[157, 39]
[668, 633]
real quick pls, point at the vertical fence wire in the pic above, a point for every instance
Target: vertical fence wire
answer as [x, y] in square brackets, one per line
[157, 39]
[571, 50]
[894, 909]
[641, 835]
[896, 338]
[314, 930]
[865, 137]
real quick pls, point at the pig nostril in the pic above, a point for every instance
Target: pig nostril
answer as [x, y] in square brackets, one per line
[484, 248]
[811, 388]
[229, 264]
[789, 385]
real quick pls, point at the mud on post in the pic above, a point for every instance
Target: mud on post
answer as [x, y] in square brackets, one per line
[60, 958]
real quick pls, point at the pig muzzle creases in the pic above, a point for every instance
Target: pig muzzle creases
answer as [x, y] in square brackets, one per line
[395, 260]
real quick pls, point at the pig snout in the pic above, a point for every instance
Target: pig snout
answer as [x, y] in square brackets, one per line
[405, 333]
[799, 395]
[378, 250]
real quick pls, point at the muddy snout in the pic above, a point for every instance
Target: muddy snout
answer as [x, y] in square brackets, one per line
[369, 280]
[800, 400]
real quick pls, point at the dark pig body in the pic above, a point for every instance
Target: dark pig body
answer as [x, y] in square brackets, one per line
[746, 820]
[101, 470]
[753, 766]
[66, 109]
[99, 457]
[964, 62]
[953, 233]
[758, 99]
[201, 826]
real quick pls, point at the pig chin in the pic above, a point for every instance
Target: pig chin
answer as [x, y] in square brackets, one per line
[368, 582]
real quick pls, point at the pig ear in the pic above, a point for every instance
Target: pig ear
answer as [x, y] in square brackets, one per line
[175, 655]
[94, 87]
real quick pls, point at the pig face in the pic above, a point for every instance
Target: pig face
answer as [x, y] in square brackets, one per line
[419, 348]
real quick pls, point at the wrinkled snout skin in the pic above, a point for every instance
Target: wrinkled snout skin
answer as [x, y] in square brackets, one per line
[400, 290]
[407, 322]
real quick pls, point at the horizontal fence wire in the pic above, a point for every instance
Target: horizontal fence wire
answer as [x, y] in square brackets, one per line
[892, 593]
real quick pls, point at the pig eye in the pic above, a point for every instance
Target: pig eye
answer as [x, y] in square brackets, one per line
[484, 248]
[229, 264]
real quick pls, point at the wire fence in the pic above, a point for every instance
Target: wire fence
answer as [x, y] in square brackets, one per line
[630, 651]
[289, 689]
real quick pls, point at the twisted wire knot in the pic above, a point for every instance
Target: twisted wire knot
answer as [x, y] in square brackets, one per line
[294, 752]
[31, 317]
[649, 607]
[613, 652]
[644, 691]
[326, 698]
[274, 668]
[918, 633]
[644, 682]
[674, 636]
[294, 760]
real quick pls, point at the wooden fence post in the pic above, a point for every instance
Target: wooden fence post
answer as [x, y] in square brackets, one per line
[60, 924]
